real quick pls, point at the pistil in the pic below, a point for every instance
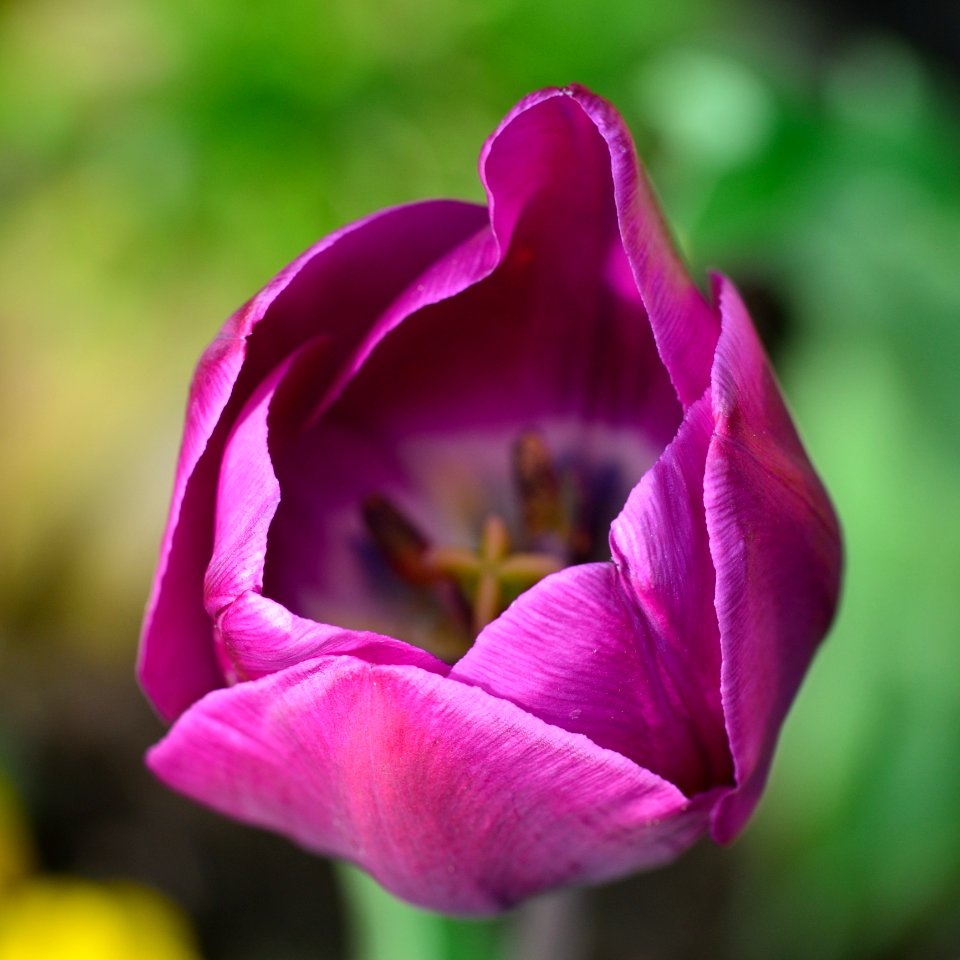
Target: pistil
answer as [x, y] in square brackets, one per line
[537, 485]
[493, 576]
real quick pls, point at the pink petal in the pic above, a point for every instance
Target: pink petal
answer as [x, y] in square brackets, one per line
[628, 653]
[338, 287]
[660, 543]
[776, 548]
[259, 636]
[684, 326]
[176, 662]
[248, 493]
[451, 798]
[553, 336]
[254, 635]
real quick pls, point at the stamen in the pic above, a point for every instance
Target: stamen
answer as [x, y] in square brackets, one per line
[538, 486]
[408, 553]
[401, 544]
[579, 540]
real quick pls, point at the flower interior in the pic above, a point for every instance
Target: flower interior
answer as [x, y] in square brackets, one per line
[551, 526]
[491, 437]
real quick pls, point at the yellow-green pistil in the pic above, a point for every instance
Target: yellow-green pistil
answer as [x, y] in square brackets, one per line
[492, 576]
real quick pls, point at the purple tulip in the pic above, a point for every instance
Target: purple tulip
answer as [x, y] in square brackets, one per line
[494, 561]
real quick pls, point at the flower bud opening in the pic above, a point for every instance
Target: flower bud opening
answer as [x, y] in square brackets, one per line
[472, 587]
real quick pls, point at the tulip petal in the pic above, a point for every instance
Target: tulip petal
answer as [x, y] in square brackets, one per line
[247, 495]
[253, 634]
[628, 653]
[776, 548]
[554, 337]
[661, 545]
[451, 798]
[569, 652]
[339, 287]
[684, 325]
[259, 636]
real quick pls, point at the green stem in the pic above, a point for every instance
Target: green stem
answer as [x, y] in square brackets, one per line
[381, 927]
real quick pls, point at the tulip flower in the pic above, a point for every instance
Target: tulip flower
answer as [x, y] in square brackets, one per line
[494, 560]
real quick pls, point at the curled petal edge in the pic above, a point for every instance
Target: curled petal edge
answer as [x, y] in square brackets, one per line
[685, 326]
[176, 661]
[776, 547]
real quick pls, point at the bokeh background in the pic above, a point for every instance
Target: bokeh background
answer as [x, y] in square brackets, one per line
[159, 161]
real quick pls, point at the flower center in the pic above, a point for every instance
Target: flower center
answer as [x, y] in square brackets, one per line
[472, 587]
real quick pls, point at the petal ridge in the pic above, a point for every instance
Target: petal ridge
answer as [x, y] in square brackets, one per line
[776, 546]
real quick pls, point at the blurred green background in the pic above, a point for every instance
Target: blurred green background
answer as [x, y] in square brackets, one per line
[159, 161]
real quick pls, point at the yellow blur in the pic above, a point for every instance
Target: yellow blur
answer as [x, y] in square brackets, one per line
[68, 918]
[71, 919]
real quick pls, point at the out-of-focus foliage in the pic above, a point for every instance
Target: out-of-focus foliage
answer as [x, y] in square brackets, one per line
[159, 161]
[851, 210]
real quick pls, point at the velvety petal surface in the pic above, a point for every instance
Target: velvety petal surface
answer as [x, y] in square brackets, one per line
[338, 287]
[684, 325]
[554, 338]
[451, 798]
[776, 548]
[627, 653]
[660, 544]
[259, 636]
[247, 494]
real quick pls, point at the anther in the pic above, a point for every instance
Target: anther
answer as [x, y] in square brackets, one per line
[538, 485]
[400, 543]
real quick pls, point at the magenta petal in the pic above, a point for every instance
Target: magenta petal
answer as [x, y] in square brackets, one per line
[628, 653]
[684, 326]
[260, 636]
[254, 635]
[338, 287]
[776, 548]
[451, 798]
[247, 496]
[661, 546]
[571, 652]
[176, 661]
